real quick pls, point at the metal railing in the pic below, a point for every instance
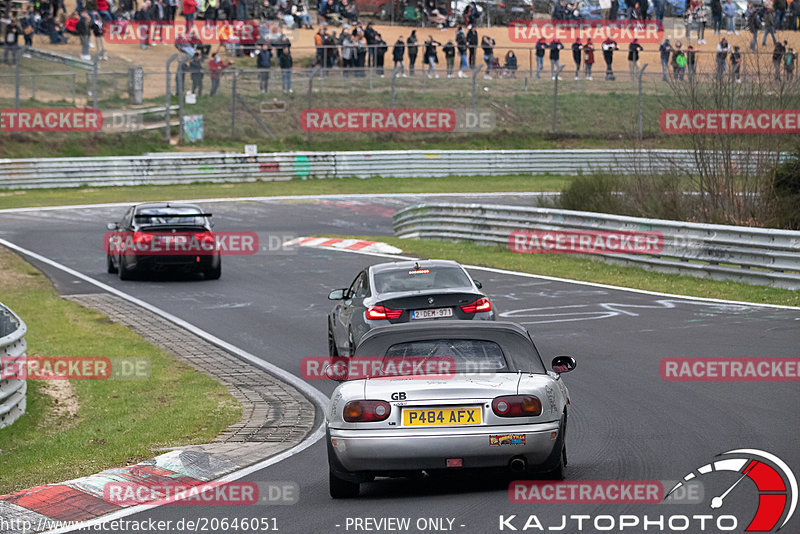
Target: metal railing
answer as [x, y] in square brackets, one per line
[183, 168]
[757, 256]
[12, 345]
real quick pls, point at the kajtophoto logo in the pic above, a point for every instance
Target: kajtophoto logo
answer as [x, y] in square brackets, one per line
[773, 479]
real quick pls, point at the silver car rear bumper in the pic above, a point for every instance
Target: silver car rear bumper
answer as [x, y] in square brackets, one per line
[428, 448]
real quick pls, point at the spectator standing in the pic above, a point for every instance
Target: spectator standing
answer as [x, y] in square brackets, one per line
[609, 45]
[172, 9]
[189, 12]
[11, 41]
[736, 64]
[369, 37]
[348, 51]
[577, 49]
[461, 44]
[722, 56]
[794, 9]
[380, 53]
[729, 10]
[716, 16]
[753, 22]
[216, 67]
[83, 28]
[769, 25]
[699, 15]
[605, 9]
[449, 57]
[614, 13]
[411, 45]
[431, 57]
[360, 49]
[691, 61]
[678, 62]
[472, 44]
[27, 23]
[634, 49]
[780, 13]
[398, 51]
[487, 43]
[285, 61]
[319, 43]
[555, 58]
[659, 7]
[665, 50]
[264, 63]
[777, 58]
[588, 58]
[196, 73]
[789, 63]
[97, 31]
[242, 9]
[541, 46]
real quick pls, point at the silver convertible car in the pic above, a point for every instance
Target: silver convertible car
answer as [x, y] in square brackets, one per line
[487, 401]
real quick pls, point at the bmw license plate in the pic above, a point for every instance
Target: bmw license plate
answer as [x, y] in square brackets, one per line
[441, 416]
[432, 314]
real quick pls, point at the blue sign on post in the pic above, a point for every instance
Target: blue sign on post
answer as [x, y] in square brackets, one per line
[193, 128]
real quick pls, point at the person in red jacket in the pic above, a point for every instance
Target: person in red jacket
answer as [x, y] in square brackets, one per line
[215, 67]
[588, 58]
[189, 11]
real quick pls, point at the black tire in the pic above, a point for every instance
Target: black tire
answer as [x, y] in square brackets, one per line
[333, 350]
[124, 272]
[342, 489]
[213, 273]
[559, 471]
[110, 268]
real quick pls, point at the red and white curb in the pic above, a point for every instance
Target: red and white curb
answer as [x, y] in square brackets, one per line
[55, 505]
[343, 244]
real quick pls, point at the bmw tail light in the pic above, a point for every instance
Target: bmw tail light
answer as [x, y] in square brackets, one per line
[139, 237]
[480, 305]
[365, 411]
[206, 240]
[517, 406]
[382, 312]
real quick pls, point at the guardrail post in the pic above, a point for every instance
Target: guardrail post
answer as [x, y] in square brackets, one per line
[641, 106]
[555, 99]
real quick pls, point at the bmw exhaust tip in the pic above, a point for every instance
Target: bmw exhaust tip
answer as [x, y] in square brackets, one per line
[518, 465]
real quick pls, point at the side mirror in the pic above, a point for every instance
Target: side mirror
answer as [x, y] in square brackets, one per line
[563, 364]
[336, 294]
[112, 226]
[477, 284]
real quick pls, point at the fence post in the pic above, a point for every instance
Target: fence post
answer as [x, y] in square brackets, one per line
[394, 80]
[180, 89]
[641, 106]
[233, 104]
[33, 80]
[17, 57]
[555, 99]
[311, 94]
[172, 58]
[94, 81]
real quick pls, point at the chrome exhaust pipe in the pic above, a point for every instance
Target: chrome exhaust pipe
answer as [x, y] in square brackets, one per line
[518, 465]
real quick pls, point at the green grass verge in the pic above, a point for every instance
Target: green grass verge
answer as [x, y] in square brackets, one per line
[116, 422]
[450, 184]
[590, 270]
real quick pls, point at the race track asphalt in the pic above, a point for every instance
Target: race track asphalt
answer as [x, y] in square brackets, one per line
[626, 423]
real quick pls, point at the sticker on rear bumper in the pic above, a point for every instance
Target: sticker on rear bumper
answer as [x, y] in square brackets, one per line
[507, 439]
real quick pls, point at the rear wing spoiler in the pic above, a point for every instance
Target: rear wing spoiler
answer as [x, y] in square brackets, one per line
[150, 216]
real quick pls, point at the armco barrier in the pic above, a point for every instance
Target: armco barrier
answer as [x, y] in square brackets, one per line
[182, 168]
[12, 343]
[751, 255]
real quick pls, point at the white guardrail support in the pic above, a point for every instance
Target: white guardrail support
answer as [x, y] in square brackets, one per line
[758, 256]
[184, 168]
[13, 345]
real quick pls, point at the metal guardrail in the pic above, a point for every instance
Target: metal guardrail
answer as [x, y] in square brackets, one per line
[182, 168]
[757, 256]
[12, 344]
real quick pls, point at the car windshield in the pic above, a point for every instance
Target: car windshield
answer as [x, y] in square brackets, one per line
[170, 216]
[465, 355]
[420, 279]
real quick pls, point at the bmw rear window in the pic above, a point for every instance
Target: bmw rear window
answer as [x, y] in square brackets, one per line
[469, 355]
[169, 216]
[420, 279]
